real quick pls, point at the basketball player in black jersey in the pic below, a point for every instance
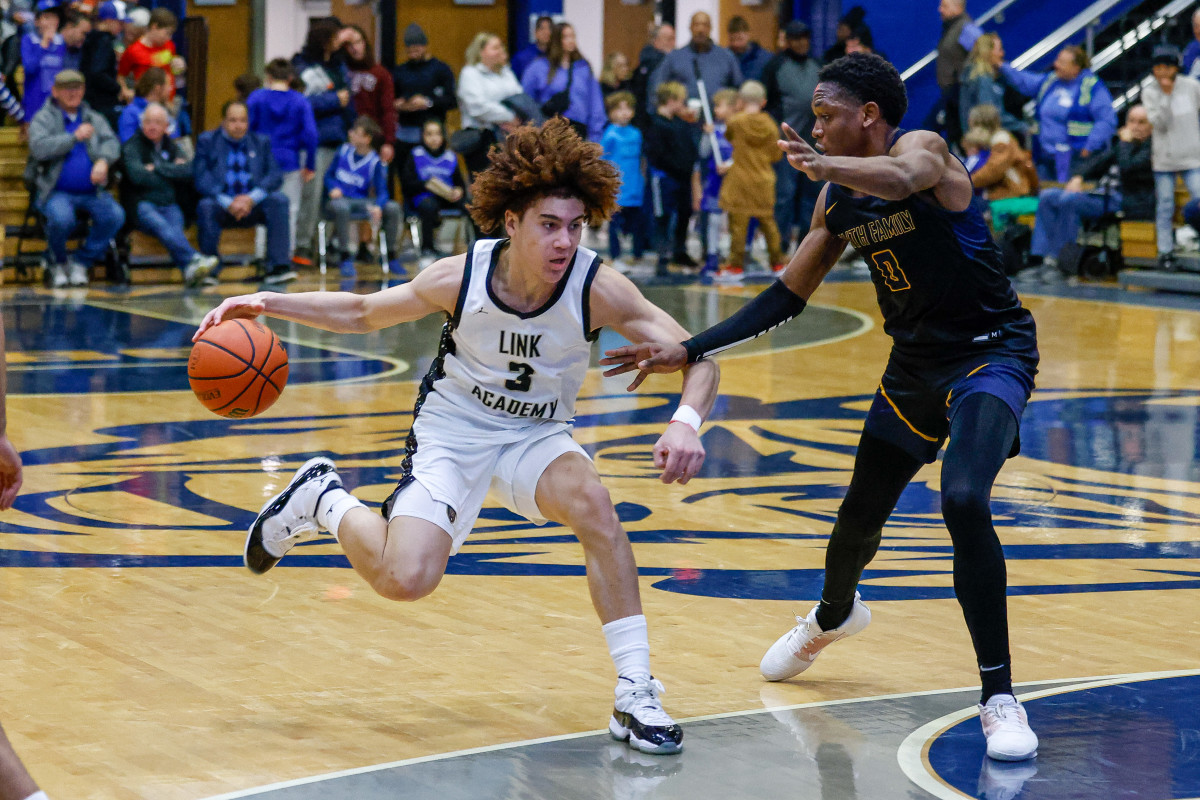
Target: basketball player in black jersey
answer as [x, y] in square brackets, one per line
[962, 365]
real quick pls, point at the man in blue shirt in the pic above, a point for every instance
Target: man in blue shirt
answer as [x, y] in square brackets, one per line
[238, 182]
[1074, 118]
[70, 149]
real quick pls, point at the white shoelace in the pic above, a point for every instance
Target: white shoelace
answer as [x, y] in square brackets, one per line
[646, 706]
[1003, 715]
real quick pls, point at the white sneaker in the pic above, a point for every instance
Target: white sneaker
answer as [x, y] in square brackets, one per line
[797, 649]
[197, 269]
[1009, 737]
[289, 518]
[638, 717]
[58, 276]
[77, 273]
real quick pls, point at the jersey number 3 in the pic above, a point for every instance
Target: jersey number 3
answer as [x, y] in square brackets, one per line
[889, 269]
[524, 378]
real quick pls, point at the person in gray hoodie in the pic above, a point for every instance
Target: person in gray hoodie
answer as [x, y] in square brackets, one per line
[1173, 104]
[71, 147]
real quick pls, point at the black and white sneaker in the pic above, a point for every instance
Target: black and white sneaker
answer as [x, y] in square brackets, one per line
[638, 717]
[289, 518]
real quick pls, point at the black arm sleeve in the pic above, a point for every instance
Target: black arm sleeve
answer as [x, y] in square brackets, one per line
[776, 305]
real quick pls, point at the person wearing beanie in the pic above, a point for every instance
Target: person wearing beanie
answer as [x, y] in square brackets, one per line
[424, 90]
[1173, 104]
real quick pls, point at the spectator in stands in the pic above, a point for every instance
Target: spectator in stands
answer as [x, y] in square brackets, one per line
[860, 40]
[137, 20]
[281, 113]
[483, 86]
[1075, 117]
[718, 67]
[70, 150]
[981, 83]
[42, 53]
[155, 169]
[238, 183]
[432, 183]
[790, 78]
[247, 83]
[662, 41]
[958, 37]
[749, 185]
[356, 185]
[326, 87]
[750, 55]
[1060, 211]
[152, 87]
[104, 93]
[1173, 105]
[716, 156]
[672, 153]
[74, 30]
[424, 92]
[562, 83]
[154, 49]
[536, 49]
[1005, 176]
[622, 144]
[372, 89]
[850, 22]
[616, 75]
[1191, 53]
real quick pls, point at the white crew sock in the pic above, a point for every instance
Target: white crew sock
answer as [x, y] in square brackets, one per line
[629, 646]
[37, 796]
[336, 504]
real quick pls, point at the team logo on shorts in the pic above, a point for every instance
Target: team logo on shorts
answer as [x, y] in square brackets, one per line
[1105, 482]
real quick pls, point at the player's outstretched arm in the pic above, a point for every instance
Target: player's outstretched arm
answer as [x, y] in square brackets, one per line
[432, 291]
[10, 460]
[616, 303]
[918, 161]
[780, 302]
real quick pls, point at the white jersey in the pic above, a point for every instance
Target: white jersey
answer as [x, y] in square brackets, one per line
[514, 368]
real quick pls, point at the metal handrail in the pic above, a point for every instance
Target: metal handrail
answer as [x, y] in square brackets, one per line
[929, 57]
[1143, 31]
[1063, 33]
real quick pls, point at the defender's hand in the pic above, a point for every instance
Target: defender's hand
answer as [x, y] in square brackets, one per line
[801, 155]
[646, 357]
[246, 306]
[678, 453]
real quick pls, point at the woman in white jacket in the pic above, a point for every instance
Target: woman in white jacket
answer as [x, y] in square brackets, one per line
[1172, 102]
[484, 83]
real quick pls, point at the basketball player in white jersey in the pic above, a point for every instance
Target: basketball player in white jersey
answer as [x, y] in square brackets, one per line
[496, 406]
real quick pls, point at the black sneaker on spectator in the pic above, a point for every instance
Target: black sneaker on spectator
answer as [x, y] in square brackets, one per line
[684, 260]
[281, 273]
[364, 253]
[1166, 262]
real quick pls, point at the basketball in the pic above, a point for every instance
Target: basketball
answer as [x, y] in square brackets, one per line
[238, 368]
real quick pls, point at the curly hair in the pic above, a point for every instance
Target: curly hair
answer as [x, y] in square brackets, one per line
[869, 79]
[550, 161]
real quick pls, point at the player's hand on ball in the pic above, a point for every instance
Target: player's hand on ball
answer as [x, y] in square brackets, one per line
[647, 357]
[246, 306]
[801, 155]
[678, 453]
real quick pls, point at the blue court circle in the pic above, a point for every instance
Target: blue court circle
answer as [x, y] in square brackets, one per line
[1138, 740]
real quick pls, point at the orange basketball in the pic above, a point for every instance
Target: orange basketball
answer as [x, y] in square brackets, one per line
[238, 368]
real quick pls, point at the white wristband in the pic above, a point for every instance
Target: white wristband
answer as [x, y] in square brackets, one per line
[688, 416]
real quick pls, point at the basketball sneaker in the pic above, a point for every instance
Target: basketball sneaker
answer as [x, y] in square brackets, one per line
[289, 518]
[1009, 737]
[797, 649]
[638, 717]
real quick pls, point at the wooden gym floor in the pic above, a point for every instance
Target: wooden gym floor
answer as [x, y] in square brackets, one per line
[141, 660]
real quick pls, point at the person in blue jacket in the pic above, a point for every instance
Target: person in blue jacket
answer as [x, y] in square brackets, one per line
[535, 49]
[622, 142]
[1074, 117]
[238, 182]
[42, 54]
[356, 184]
[564, 69]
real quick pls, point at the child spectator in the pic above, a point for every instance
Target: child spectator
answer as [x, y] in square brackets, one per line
[353, 173]
[748, 190]
[246, 84]
[284, 115]
[432, 182]
[151, 87]
[154, 49]
[723, 106]
[622, 144]
[672, 155]
[976, 143]
[42, 54]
